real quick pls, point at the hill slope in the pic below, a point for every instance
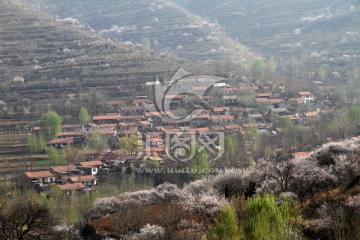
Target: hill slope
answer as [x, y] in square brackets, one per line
[166, 25]
[51, 64]
[317, 32]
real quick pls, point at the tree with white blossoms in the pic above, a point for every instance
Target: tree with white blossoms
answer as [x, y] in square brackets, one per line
[65, 231]
[233, 182]
[164, 193]
[308, 178]
[273, 176]
[203, 207]
[198, 187]
[342, 158]
[342, 218]
[102, 207]
[150, 232]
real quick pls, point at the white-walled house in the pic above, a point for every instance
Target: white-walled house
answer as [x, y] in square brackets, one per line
[42, 177]
[306, 96]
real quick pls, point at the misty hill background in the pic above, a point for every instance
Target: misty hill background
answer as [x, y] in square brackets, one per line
[168, 26]
[304, 36]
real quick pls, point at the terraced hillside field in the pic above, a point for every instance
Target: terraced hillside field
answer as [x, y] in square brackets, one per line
[47, 63]
[316, 32]
[166, 25]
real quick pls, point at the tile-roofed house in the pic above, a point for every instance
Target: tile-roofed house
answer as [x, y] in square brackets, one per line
[311, 115]
[280, 111]
[131, 110]
[295, 119]
[306, 96]
[258, 125]
[276, 100]
[264, 95]
[69, 188]
[101, 119]
[108, 132]
[88, 180]
[60, 142]
[90, 127]
[129, 132]
[230, 99]
[257, 117]
[139, 102]
[126, 126]
[107, 126]
[91, 167]
[144, 125]
[65, 170]
[281, 89]
[221, 110]
[156, 142]
[131, 118]
[232, 127]
[199, 131]
[296, 100]
[92, 164]
[41, 177]
[230, 90]
[71, 134]
[222, 118]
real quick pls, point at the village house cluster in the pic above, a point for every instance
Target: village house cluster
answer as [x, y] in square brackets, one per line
[223, 112]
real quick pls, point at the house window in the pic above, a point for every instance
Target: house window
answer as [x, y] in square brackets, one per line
[94, 170]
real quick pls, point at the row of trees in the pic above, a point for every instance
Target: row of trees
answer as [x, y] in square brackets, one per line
[50, 125]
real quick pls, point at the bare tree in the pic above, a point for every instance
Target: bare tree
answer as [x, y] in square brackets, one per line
[25, 218]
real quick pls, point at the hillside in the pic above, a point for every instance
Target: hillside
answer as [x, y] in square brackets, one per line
[47, 63]
[312, 32]
[166, 25]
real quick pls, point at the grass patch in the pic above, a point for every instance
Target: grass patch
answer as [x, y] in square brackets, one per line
[42, 163]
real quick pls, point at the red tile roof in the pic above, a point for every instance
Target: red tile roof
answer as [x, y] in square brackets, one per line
[264, 95]
[76, 179]
[296, 99]
[106, 117]
[221, 109]
[198, 130]
[131, 117]
[91, 164]
[291, 117]
[232, 127]
[221, 117]
[72, 186]
[37, 175]
[310, 114]
[145, 123]
[109, 125]
[276, 100]
[157, 140]
[62, 169]
[305, 93]
[180, 96]
[116, 102]
[247, 125]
